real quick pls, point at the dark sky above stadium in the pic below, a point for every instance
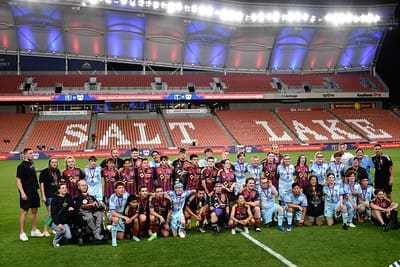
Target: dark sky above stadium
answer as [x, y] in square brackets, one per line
[319, 2]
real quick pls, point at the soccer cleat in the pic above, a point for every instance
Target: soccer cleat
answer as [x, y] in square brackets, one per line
[98, 237]
[23, 237]
[56, 245]
[189, 224]
[258, 229]
[289, 228]
[36, 233]
[345, 227]
[46, 233]
[233, 231]
[245, 230]
[215, 232]
[152, 237]
[351, 225]
[281, 228]
[52, 232]
[182, 234]
[385, 228]
[136, 239]
[114, 243]
[201, 230]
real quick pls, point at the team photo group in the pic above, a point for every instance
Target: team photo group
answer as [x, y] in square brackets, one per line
[142, 199]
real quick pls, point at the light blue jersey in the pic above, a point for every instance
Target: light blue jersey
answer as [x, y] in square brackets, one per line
[93, 180]
[366, 194]
[320, 171]
[300, 200]
[352, 190]
[240, 173]
[338, 170]
[332, 193]
[255, 172]
[118, 203]
[285, 174]
[178, 201]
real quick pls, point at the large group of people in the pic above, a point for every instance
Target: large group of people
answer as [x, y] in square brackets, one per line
[159, 197]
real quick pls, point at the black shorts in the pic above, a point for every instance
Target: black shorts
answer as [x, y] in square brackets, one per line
[384, 186]
[33, 201]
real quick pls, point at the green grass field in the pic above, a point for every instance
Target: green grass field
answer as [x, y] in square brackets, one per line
[366, 245]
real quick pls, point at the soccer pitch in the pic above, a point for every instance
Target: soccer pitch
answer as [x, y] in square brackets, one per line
[366, 245]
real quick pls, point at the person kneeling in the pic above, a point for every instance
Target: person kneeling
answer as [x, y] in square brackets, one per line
[241, 215]
[384, 211]
[117, 204]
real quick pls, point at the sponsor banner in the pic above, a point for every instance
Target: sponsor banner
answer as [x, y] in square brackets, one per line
[298, 109]
[63, 112]
[353, 105]
[195, 111]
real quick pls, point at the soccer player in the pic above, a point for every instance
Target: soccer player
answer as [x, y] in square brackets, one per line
[28, 186]
[241, 215]
[219, 208]
[114, 154]
[135, 160]
[301, 171]
[208, 152]
[315, 209]
[128, 176]
[209, 176]
[93, 179]
[255, 170]
[180, 164]
[226, 177]
[132, 211]
[193, 173]
[146, 175]
[337, 167]
[351, 191]
[111, 176]
[285, 172]
[346, 156]
[156, 162]
[252, 198]
[178, 199]
[48, 180]
[319, 168]
[269, 169]
[269, 208]
[334, 202]
[160, 213]
[384, 210]
[384, 171]
[240, 166]
[71, 175]
[89, 209]
[365, 196]
[297, 204]
[117, 204]
[144, 212]
[61, 206]
[164, 174]
[357, 169]
[365, 162]
[277, 155]
[224, 156]
[197, 206]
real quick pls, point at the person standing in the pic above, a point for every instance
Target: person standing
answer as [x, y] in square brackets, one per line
[28, 186]
[93, 179]
[48, 180]
[384, 171]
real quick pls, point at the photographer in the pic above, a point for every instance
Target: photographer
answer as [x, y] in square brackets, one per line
[89, 209]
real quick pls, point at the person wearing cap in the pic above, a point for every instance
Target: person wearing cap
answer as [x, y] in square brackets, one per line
[93, 179]
[219, 208]
[178, 199]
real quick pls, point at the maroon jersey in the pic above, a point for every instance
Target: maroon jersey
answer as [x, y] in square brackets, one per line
[162, 206]
[227, 179]
[301, 175]
[131, 211]
[71, 178]
[135, 163]
[210, 177]
[384, 203]
[251, 195]
[241, 212]
[164, 176]
[146, 178]
[110, 178]
[193, 177]
[269, 170]
[144, 205]
[128, 177]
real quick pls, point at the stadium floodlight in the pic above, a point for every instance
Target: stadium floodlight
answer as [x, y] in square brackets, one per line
[148, 4]
[140, 3]
[156, 5]
[123, 2]
[194, 9]
[93, 2]
[108, 2]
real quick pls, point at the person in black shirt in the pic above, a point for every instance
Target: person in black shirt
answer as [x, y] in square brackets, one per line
[61, 206]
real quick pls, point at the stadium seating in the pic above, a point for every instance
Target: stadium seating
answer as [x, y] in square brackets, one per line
[10, 84]
[248, 127]
[205, 131]
[317, 126]
[60, 135]
[140, 133]
[12, 129]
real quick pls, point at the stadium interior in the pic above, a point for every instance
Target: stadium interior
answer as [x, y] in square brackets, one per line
[84, 75]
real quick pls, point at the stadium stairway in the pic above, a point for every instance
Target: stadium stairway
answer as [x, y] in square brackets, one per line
[91, 144]
[27, 133]
[161, 118]
[228, 133]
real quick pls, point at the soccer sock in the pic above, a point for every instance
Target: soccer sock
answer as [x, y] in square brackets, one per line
[280, 218]
[257, 222]
[153, 227]
[350, 217]
[289, 218]
[345, 217]
[214, 226]
[114, 231]
[136, 230]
